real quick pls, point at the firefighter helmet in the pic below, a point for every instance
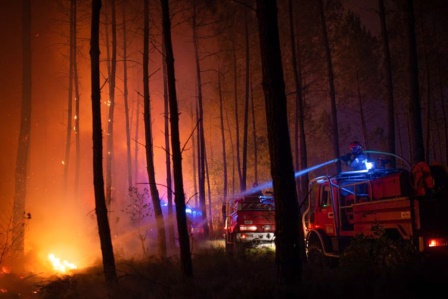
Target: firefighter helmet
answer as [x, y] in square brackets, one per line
[355, 146]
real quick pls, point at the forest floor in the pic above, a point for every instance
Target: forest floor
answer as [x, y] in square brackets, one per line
[251, 275]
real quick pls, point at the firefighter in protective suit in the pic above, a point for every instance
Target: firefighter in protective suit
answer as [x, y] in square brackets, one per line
[356, 158]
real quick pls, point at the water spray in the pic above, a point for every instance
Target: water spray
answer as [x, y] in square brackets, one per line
[296, 175]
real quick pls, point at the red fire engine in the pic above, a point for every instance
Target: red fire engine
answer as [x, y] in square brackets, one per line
[407, 204]
[249, 221]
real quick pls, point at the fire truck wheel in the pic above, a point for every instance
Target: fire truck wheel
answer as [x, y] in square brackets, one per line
[238, 248]
[316, 255]
[229, 241]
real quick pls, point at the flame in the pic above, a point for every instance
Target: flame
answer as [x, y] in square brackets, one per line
[60, 265]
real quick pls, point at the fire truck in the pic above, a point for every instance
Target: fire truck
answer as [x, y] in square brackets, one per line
[408, 203]
[249, 222]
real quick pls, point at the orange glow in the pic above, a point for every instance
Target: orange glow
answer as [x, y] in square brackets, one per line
[6, 270]
[432, 243]
[59, 265]
[437, 242]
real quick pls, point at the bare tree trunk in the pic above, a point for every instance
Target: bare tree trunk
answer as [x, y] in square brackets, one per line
[137, 123]
[233, 154]
[195, 155]
[254, 134]
[110, 121]
[299, 123]
[415, 119]
[18, 219]
[237, 126]
[389, 82]
[443, 107]
[97, 136]
[69, 127]
[246, 104]
[334, 112]
[125, 97]
[201, 137]
[223, 142]
[161, 236]
[179, 195]
[428, 111]
[290, 247]
[77, 101]
[400, 139]
[209, 212]
[361, 114]
[169, 191]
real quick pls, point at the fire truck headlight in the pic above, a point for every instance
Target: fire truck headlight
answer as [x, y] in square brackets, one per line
[245, 228]
[267, 228]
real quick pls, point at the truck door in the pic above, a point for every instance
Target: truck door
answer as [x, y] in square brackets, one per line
[324, 210]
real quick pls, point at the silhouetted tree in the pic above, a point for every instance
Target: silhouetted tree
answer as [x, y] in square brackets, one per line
[169, 184]
[125, 96]
[387, 71]
[223, 142]
[332, 90]
[290, 247]
[69, 126]
[417, 144]
[18, 220]
[111, 71]
[97, 136]
[299, 117]
[179, 195]
[201, 137]
[161, 235]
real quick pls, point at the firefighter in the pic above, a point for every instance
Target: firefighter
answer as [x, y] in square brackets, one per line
[356, 158]
[422, 180]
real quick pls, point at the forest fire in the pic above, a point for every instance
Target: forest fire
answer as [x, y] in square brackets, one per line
[61, 266]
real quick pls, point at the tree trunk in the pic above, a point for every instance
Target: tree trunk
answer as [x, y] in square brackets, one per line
[179, 195]
[169, 191]
[209, 212]
[237, 126]
[195, 154]
[125, 97]
[98, 181]
[201, 137]
[223, 142]
[387, 70]
[254, 134]
[110, 121]
[18, 219]
[161, 236]
[69, 127]
[290, 247]
[137, 124]
[362, 114]
[334, 112]
[416, 131]
[246, 105]
[299, 127]
[77, 101]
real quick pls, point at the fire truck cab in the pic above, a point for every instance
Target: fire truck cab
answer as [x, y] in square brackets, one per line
[249, 221]
[342, 206]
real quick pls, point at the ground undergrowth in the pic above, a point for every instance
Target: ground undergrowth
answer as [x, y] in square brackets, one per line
[368, 270]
